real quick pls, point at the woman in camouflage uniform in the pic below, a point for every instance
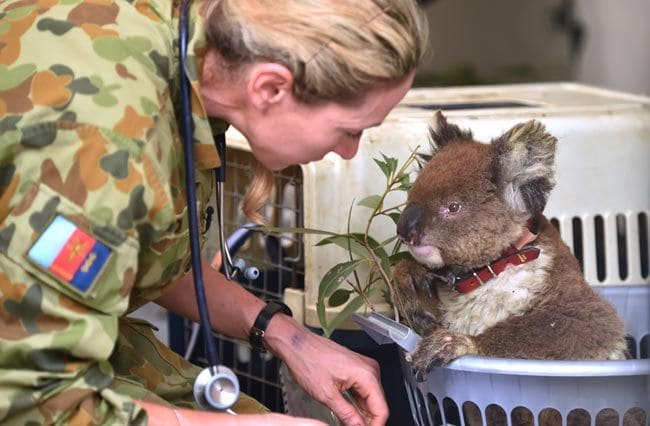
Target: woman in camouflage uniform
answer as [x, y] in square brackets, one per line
[93, 219]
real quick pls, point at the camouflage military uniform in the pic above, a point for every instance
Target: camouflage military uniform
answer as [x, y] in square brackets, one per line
[88, 134]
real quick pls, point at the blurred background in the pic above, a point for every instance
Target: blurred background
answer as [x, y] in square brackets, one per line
[597, 42]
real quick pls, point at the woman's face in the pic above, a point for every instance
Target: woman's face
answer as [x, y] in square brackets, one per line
[299, 133]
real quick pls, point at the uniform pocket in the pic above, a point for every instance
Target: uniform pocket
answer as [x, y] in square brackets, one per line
[52, 239]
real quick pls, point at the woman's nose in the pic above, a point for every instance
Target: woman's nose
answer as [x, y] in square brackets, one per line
[347, 149]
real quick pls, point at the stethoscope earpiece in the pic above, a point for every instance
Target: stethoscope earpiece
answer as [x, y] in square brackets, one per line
[250, 273]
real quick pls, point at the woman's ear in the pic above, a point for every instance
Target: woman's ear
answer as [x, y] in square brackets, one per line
[269, 84]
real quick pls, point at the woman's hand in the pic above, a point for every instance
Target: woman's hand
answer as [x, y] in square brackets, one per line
[325, 370]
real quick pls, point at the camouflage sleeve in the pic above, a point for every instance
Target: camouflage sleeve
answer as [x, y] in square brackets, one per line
[68, 261]
[88, 185]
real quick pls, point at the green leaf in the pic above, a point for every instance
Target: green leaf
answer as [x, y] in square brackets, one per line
[404, 182]
[388, 241]
[388, 298]
[347, 242]
[395, 216]
[331, 282]
[339, 297]
[398, 257]
[374, 244]
[391, 162]
[372, 202]
[322, 318]
[335, 277]
[281, 230]
[346, 312]
[385, 168]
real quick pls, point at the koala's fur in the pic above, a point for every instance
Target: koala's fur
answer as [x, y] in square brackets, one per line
[543, 309]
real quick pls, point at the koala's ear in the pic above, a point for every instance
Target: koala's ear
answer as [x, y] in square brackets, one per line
[522, 166]
[442, 133]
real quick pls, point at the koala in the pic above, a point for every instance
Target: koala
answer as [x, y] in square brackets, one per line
[490, 274]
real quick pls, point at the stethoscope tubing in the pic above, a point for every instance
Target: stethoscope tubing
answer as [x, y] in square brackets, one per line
[190, 191]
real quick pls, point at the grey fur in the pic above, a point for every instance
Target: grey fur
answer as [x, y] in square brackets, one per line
[523, 169]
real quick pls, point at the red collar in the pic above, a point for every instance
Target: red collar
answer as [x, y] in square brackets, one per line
[515, 255]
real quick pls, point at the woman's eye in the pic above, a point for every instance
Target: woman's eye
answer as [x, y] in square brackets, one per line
[454, 207]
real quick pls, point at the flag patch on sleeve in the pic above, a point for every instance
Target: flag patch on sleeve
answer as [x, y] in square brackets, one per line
[69, 253]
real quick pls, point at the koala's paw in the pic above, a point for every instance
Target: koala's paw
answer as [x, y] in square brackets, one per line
[412, 276]
[437, 348]
[422, 320]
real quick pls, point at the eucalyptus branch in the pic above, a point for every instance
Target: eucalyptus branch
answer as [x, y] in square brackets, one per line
[363, 249]
[356, 275]
[362, 294]
[393, 179]
[385, 211]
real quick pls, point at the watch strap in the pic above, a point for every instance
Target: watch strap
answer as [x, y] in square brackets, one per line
[256, 336]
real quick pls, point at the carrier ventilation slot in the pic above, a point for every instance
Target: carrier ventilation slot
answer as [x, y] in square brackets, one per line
[611, 249]
[473, 105]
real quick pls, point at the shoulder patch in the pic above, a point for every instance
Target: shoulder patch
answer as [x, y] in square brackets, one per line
[70, 254]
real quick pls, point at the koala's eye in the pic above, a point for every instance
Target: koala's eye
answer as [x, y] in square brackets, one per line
[454, 207]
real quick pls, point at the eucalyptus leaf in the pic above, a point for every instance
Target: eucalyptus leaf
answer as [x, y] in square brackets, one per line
[347, 242]
[331, 282]
[385, 168]
[372, 202]
[339, 297]
[388, 240]
[346, 312]
[395, 216]
[404, 182]
[391, 162]
[374, 244]
[398, 257]
[320, 310]
[289, 230]
[335, 277]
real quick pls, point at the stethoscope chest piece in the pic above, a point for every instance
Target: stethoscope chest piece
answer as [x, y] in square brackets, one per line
[216, 388]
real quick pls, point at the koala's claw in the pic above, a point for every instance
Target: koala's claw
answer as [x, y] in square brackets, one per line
[439, 348]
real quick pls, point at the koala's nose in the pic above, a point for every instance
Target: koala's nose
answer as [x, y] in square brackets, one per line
[409, 224]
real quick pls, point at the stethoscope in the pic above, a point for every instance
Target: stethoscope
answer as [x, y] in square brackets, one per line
[217, 386]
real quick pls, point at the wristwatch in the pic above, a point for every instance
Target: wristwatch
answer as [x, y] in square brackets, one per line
[256, 335]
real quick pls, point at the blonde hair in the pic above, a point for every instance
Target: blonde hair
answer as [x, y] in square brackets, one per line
[258, 193]
[335, 49]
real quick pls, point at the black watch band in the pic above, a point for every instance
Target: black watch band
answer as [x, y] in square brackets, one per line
[262, 321]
